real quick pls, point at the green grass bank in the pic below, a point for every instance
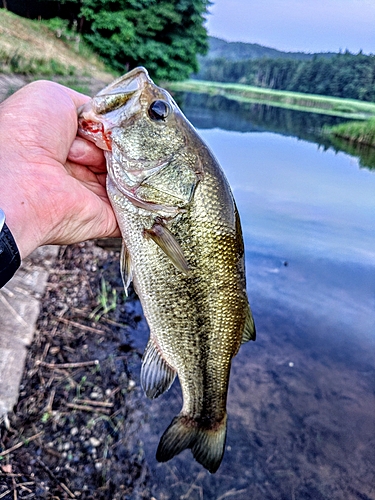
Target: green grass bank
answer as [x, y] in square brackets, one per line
[334, 106]
[34, 49]
[355, 132]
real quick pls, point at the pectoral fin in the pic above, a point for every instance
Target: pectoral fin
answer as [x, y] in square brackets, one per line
[126, 268]
[156, 375]
[249, 331]
[170, 246]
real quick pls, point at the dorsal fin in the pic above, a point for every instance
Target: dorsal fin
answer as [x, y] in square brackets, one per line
[156, 374]
[249, 330]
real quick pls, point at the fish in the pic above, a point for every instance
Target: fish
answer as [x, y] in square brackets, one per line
[182, 249]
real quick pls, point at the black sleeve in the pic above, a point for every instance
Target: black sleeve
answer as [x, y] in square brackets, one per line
[10, 259]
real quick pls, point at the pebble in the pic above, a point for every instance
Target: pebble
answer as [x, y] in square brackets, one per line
[131, 384]
[74, 431]
[94, 442]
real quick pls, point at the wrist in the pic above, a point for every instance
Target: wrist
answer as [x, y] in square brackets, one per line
[10, 259]
[22, 225]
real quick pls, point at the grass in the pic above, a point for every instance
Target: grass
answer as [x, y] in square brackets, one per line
[356, 139]
[334, 106]
[356, 132]
[107, 301]
[14, 62]
[42, 49]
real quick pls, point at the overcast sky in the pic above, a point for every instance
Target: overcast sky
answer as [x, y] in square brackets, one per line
[296, 25]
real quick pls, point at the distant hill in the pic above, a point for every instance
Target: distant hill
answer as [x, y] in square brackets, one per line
[237, 51]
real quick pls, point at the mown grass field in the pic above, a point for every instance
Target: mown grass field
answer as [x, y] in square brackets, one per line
[346, 108]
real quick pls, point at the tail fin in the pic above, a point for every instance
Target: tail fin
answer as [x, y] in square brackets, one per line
[207, 444]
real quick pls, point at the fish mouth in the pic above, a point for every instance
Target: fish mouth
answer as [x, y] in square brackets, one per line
[97, 117]
[134, 80]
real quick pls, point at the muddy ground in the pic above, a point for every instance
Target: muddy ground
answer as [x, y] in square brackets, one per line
[74, 431]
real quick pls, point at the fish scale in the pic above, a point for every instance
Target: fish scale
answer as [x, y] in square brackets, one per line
[183, 248]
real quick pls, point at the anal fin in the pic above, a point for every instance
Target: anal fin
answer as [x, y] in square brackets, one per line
[156, 374]
[249, 330]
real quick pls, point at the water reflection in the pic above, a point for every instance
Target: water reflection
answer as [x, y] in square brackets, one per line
[302, 397]
[366, 154]
[208, 112]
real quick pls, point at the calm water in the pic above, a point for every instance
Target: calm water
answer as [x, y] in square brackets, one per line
[301, 402]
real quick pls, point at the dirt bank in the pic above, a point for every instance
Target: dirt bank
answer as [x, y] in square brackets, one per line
[74, 431]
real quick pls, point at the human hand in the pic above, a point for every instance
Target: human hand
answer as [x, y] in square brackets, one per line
[52, 183]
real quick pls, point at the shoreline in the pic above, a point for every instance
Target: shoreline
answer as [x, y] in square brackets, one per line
[334, 106]
[355, 133]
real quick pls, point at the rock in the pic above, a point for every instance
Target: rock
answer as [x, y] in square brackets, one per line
[94, 442]
[19, 310]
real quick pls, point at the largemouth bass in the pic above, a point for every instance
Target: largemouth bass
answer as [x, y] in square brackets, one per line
[183, 250]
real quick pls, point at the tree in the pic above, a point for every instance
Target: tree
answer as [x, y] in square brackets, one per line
[165, 36]
[343, 75]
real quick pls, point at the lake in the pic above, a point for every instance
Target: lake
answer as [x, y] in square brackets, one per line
[301, 405]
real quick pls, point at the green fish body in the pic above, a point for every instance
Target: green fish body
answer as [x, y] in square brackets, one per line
[183, 250]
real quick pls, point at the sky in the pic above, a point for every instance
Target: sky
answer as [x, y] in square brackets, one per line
[296, 25]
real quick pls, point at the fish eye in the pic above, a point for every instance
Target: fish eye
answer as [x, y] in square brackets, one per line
[159, 110]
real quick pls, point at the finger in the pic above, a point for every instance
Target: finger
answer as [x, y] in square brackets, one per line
[77, 97]
[37, 103]
[102, 179]
[86, 153]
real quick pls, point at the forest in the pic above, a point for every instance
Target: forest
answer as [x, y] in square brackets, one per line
[165, 36]
[342, 75]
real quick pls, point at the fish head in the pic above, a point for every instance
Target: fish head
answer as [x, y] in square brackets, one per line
[146, 139]
[134, 116]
